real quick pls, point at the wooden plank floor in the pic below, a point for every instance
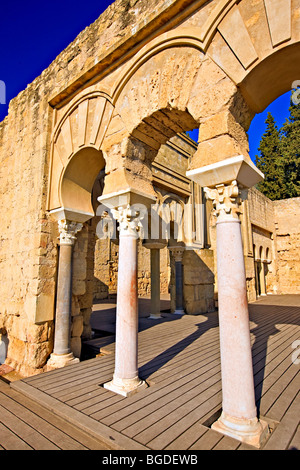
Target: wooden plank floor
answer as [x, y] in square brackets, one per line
[26, 425]
[180, 361]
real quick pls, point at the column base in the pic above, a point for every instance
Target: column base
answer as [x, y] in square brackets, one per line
[58, 361]
[179, 311]
[126, 387]
[155, 316]
[249, 431]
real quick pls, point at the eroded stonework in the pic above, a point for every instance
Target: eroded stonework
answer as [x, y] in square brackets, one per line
[110, 109]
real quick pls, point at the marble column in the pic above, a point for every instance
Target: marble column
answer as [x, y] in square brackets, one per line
[177, 253]
[155, 247]
[239, 414]
[62, 354]
[125, 378]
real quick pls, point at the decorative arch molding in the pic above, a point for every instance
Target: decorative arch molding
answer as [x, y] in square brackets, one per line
[76, 157]
[257, 44]
[245, 39]
[190, 36]
[156, 97]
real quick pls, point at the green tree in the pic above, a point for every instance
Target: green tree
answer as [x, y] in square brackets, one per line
[270, 161]
[290, 149]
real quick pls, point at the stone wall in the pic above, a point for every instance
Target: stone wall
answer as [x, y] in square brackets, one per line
[287, 229]
[262, 222]
[28, 255]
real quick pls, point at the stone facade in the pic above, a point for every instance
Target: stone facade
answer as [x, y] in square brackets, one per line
[287, 245]
[110, 105]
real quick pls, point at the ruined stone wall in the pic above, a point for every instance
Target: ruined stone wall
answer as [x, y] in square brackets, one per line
[262, 218]
[28, 254]
[287, 228]
[106, 270]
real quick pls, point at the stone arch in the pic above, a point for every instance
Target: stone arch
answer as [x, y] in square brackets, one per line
[217, 75]
[168, 90]
[256, 45]
[76, 156]
[173, 218]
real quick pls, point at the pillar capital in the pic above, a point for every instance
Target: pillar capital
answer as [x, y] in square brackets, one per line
[177, 252]
[227, 200]
[129, 220]
[67, 230]
[154, 244]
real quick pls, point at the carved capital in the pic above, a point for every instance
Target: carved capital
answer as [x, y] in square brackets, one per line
[67, 231]
[129, 221]
[227, 200]
[177, 252]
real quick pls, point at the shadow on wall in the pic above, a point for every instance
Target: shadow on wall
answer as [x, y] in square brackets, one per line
[198, 278]
[101, 290]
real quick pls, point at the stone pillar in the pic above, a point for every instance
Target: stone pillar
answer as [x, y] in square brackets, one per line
[177, 252]
[155, 248]
[239, 415]
[262, 278]
[125, 379]
[62, 354]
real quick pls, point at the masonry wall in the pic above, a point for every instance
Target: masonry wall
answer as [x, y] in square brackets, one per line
[27, 251]
[262, 220]
[287, 228]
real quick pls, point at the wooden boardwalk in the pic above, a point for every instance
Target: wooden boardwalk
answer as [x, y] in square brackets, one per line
[180, 361]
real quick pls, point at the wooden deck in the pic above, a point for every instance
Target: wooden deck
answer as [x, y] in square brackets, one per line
[179, 359]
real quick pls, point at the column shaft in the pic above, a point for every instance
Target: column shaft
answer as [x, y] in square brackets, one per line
[126, 365]
[62, 354]
[236, 358]
[262, 278]
[177, 251]
[63, 303]
[179, 286]
[125, 379]
[155, 283]
[239, 414]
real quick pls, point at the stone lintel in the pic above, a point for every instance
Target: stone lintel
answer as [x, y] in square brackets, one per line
[238, 168]
[154, 245]
[126, 197]
[63, 213]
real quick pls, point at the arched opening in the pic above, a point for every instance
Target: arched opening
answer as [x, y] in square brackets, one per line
[79, 178]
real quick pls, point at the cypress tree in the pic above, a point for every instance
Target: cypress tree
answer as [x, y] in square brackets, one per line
[270, 162]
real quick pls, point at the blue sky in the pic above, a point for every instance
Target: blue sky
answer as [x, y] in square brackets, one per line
[32, 35]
